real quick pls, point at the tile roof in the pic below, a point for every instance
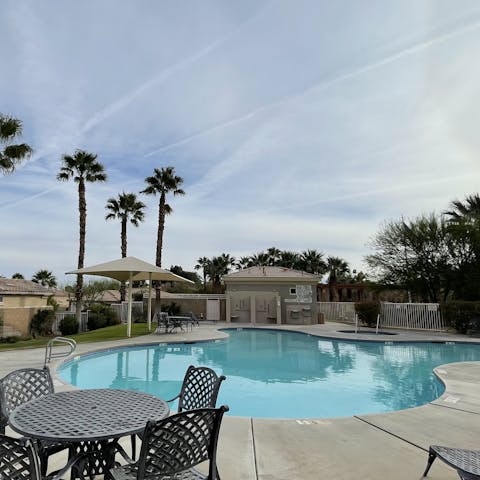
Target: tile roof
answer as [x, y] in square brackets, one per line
[271, 273]
[14, 286]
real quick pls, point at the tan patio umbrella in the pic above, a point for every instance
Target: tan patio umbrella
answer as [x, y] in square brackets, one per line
[129, 269]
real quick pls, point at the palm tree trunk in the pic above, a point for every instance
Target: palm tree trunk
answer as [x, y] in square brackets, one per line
[161, 227]
[82, 209]
[124, 254]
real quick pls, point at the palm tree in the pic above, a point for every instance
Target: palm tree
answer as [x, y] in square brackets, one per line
[126, 207]
[244, 262]
[260, 259]
[467, 210]
[45, 278]
[219, 266]
[163, 182]
[274, 255]
[11, 155]
[336, 268]
[82, 167]
[312, 262]
[203, 263]
[289, 260]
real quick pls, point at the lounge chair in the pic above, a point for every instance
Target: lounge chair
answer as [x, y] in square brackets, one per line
[465, 462]
[172, 447]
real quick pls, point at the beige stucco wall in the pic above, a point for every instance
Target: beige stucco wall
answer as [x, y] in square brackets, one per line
[244, 298]
[196, 305]
[62, 301]
[18, 318]
[24, 301]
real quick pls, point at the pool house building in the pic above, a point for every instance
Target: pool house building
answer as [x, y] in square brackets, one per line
[271, 295]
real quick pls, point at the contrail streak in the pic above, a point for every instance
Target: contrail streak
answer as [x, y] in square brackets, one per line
[164, 75]
[322, 85]
[31, 197]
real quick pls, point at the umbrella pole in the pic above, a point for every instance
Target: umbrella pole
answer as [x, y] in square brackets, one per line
[149, 307]
[129, 318]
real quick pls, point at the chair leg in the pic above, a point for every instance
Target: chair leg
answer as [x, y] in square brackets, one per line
[134, 446]
[43, 463]
[431, 457]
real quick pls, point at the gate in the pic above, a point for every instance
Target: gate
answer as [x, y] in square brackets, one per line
[213, 309]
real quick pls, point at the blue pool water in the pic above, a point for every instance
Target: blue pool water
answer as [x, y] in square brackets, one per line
[282, 374]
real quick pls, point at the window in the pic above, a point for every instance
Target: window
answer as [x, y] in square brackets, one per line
[293, 290]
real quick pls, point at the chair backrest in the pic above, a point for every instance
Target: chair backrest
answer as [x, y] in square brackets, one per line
[180, 442]
[21, 386]
[194, 318]
[18, 459]
[199, 389]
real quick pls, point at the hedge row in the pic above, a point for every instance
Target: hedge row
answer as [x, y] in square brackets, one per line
[464, 317]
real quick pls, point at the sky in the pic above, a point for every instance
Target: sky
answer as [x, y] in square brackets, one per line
[296, 124]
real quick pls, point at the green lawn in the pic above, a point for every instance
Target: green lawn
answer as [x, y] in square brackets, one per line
[117, 332]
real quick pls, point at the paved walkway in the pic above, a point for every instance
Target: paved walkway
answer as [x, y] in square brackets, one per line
[369, 447]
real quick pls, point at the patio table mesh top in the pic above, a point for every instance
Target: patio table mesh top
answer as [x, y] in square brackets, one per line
[87, 414]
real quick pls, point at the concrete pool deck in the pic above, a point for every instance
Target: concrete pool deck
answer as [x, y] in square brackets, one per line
[378, 446]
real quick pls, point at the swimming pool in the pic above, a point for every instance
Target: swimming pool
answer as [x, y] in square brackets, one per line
[279, 374]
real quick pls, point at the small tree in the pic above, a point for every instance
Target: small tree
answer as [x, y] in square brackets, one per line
[41, 323]
[93, 291]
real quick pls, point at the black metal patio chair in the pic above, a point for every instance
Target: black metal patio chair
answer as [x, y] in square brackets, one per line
[21, 386]
[174, 446]
[19, 461]
[465, 462]
[195, 320]
[200, 389]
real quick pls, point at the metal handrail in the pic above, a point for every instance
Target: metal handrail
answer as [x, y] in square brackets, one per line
[60, 341]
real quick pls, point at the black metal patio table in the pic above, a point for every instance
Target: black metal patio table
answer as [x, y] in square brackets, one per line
[171, 323]
[83, 416]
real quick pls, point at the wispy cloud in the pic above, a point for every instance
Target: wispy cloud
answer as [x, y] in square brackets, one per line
[472, 24]
[127, 99]
[300, 125]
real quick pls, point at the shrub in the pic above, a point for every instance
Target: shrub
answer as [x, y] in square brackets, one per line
[367, 312]
[137, 296]
[464, 317]
[10, 339]
[68, 325]
[101, 316]
[41, 323]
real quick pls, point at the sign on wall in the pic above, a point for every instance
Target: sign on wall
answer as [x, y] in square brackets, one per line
[304, 293]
